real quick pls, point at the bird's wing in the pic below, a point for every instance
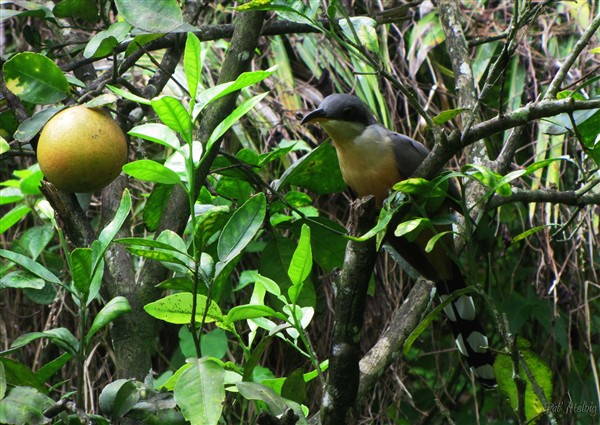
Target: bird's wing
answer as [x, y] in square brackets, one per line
[409, 153]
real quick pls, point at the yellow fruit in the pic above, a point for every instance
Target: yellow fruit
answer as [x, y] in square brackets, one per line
[81, 149]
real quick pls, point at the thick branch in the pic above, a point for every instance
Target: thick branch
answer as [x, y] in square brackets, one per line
[389, 347]
[569, 197]
[339, 398]
[548, 108]
[570, 60]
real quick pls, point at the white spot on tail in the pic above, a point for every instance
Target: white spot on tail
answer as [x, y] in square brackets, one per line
[478, 342]
[484, 372]
[465, 307]
[460, 343]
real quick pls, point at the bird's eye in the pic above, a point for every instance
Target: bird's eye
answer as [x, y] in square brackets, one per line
[347, 111]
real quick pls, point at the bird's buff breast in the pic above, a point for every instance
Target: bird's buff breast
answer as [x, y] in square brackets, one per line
[368, 167]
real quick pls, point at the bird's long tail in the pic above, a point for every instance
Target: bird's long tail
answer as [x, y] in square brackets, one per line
[469, 335]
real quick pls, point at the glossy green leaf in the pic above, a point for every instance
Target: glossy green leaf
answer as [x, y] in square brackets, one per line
[162, 256]
[152, 244]
[152, 171]
[232, 118]
[250, 311]
[118, 398]
[48, 370]
[192, 64]
[209, 223]
[60, 336]
[301, 264]
[318, 171]
[104, 42]
[409, 226]
[129, 96]
[177, 308]
[172, 113]
[27, 263]
[156, 133]
[504, 371]
[151, 16]
[156, 204]
[81, 270]
[35, 78]
[21, 279]
[112, 228]
[431, 243]
[29, 128]
[24, 405]
[85, 9]
[13, 216]
[241, 228]
[200, 392]
[113, 309]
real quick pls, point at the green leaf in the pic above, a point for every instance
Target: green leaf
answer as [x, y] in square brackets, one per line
[318, 171]
[19, 375]
[250, 311]
[27, 263]
[409, 226]
[531, 231]
[241, 228]
[192, 64]
[277, 405]
[269, 285]
[294, 387]
[152, 171]
[13, 216]
[29, 128]
[21, 279]
[244, 80]
[81, 271]
[156, 133]
[103, 43]
[431, 243]
[35, 78]
[4, 146]
[152, 244]
[177, 308]
[151, 16]
[24, 405]
[129, 96]
[47, 371]
[208, 223]
[448, 115]
[301, 264]
[113, 309]
[504, 371]
[156, 204]
[172, 113]
[118, 398]
[232, 118]
[85, 9]
[112, 228]
[200, 392]
[60, 336]
[162, 256]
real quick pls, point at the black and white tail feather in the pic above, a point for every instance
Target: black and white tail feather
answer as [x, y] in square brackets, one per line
[469, 335]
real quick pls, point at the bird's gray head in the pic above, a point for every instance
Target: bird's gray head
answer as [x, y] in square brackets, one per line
[343, 116]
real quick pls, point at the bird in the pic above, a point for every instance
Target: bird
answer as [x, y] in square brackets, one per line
[372, 160]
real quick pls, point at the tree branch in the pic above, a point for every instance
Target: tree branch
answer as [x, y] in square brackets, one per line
[339, 398]
[569, 197]
[389, 346]
[570, 60]
[441, 153]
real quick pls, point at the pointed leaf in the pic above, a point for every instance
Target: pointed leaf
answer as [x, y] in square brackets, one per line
[177, 308]
[200, 392]
[156, 133]
[241, 228]
[152, 171]
[113, 309]
[172, 113]
[27, 263]
[191, 63]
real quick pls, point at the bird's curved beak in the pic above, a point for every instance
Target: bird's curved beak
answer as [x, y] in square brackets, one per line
[317, 115]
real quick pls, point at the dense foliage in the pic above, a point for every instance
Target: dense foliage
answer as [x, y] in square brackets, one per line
[199, 287]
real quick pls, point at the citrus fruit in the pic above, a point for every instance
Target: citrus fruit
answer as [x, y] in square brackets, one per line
[81, 149]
